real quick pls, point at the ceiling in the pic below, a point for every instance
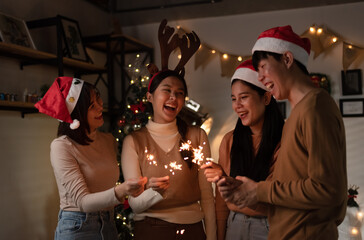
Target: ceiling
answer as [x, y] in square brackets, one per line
[136, 12]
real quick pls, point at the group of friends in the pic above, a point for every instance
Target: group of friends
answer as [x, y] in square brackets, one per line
[274, 179]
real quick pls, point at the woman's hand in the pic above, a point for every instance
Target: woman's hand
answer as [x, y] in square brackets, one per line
[133, 187]
[213, 172]
[159, 184]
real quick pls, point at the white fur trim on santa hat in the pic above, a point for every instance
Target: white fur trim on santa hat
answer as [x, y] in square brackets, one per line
[280, 46]
[74, 94]
[248, 75]
[75, 124]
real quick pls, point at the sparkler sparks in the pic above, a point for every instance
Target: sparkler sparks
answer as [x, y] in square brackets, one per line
[150, 158]
[173, 166]
[198, 157]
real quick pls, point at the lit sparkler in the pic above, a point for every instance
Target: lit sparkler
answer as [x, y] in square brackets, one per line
[150, 158]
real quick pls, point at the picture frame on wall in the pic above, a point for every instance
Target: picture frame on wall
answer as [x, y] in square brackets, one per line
[73, 39]
[15, 31]
[351, 81]
[352, 107]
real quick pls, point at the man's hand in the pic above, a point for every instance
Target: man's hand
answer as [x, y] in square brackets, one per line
[240, 191]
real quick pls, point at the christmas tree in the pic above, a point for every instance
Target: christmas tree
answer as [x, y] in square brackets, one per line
[133, 116]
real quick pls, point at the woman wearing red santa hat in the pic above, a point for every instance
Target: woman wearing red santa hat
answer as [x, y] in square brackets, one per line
[84, 162]
[248, 150]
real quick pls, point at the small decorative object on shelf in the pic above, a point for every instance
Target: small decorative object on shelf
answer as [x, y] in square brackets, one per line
[73, 39]
[14, 30]
[321, 80]
[352, 193]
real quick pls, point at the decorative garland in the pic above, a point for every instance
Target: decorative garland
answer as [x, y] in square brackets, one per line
[321, 80]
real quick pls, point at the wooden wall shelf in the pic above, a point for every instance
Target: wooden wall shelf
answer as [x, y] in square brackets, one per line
[29, 54]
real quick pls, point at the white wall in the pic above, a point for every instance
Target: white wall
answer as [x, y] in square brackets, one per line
[29, 201]
[28, 192]
[237, 34]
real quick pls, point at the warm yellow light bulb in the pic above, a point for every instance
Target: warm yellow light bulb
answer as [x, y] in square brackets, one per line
[178, 27]
[359, 215]
[350, 47]
[131, 81]
[240, 59]
[213, 51]
[225, 56]
[312, 29]
[129, 65]
[179, 56]
[137, 55]
[334, 39]
[319, 30]
[354, 231]
[128, 106]
[137, 70]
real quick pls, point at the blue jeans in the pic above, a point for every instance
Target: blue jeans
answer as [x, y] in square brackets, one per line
[91, 226]
[243, 227]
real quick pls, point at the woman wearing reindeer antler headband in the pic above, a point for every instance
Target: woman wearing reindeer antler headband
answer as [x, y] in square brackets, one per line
[169, 205]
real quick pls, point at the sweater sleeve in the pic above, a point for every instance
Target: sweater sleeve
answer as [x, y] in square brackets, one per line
[222, 211]
[68, 173]
[207, 197]
[321, 133]
[131, 169]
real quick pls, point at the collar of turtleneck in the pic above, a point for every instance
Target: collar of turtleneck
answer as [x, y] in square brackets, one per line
[162, 129]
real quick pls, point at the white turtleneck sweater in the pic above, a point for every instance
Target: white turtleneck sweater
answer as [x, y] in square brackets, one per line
[166, 135]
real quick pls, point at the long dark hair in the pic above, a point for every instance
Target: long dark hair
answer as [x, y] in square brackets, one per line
[79, 135]
[181, 124]
[243, 162]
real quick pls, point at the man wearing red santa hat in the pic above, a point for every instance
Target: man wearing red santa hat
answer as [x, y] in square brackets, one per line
[308, 188]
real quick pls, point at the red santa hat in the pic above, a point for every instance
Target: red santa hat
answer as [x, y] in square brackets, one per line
[246, 72]
[60, 100]
[283, 39]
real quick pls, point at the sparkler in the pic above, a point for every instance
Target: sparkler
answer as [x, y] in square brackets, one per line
[150, 158]
[198, 156]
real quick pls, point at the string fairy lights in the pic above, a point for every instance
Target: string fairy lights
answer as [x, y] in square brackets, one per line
[321, 39]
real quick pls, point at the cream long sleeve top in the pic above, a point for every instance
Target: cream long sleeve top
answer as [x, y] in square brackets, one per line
[86, 174]
[166, 137]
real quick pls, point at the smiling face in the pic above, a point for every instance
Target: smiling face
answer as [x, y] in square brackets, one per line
[167, 99]
[272, 73]
[94, 113]
[249, 105]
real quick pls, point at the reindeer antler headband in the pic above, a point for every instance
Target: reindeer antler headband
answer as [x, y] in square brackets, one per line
[188, 44]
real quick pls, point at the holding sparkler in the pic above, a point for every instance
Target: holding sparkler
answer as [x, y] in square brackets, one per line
[170, 203]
